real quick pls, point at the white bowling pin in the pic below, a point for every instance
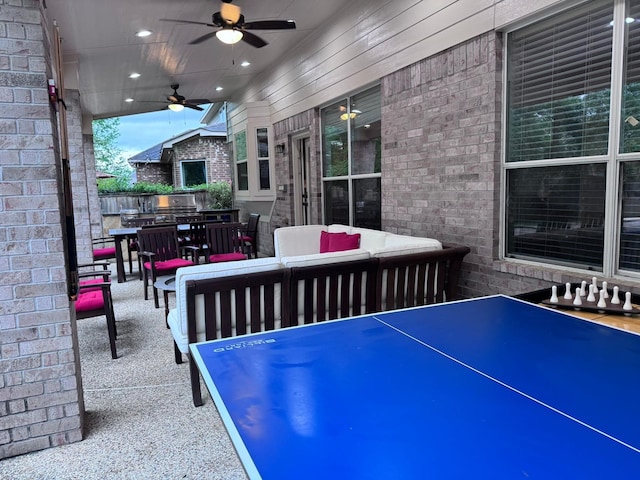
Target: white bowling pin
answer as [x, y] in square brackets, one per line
[583, 289]
[615, 299]
[577, 300]
[627, 302]
[601, 302]
[554, 294]
[591, 297]
[567, 292]
[604, 291]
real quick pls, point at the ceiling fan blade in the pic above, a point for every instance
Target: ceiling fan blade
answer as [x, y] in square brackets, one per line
[271, 25]
[198, 101]
[203, 38]
[194, 107]
[189, 22]
[252, 39]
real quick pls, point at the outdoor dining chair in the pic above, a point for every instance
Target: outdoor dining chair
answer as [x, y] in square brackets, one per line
[160, 254]
[104, 248]
[223, 242]
[94, 299]
[132, 241]
[249, 235]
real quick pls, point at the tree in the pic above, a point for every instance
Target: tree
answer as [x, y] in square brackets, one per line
[108, 156]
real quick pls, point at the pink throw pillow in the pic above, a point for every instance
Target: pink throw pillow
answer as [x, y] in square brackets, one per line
[338, 242]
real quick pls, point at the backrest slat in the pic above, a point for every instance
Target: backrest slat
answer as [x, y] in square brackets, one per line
[333, 290]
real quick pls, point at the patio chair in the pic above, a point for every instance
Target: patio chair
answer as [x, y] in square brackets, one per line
[160, 254]
[104, 248]
[249, 235]
[223, 243]
[94, 299]
[132, 241]
[196, 237]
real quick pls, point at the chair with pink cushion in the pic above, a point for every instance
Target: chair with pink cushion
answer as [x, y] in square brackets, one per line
[94, 300]
[161, 255]
[104, 249]
[249, 234]
[223, 243]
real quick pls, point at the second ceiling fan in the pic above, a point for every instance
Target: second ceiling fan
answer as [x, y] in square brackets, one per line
[232, 27]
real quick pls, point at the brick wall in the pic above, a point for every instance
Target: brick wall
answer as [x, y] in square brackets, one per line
[441, 160]
[154, 173]
[298, 125]
[40, 394]
[81, 173]
[211, 149]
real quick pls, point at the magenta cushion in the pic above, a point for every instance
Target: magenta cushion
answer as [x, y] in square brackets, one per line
[88, 301]
[227, 257]
[107, 252]
[169, 266]
[338, 242]
[246, 238]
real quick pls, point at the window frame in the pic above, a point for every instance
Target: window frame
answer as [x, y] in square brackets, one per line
[613, 159]
[260, 160]
[350, 177]
[193, 160]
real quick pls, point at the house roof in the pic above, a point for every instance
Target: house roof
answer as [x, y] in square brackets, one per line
[158, 153]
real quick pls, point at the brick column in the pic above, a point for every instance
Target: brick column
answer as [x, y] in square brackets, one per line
[40, 389]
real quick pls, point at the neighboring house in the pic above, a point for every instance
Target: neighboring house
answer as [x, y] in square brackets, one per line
[192, 158]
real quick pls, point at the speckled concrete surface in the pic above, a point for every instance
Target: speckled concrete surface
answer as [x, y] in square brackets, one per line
[140, 422]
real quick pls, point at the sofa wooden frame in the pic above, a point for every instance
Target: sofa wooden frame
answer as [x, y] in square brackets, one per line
[403, 281]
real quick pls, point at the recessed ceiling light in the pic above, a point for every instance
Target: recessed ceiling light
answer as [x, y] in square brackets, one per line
[128, 100]
[245, 64]
[134, 75]
[218, 89]
[143, 33]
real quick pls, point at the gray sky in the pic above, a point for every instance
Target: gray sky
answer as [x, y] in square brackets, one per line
[139, 132]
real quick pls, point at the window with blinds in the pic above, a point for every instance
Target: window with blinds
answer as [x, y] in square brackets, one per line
[557, 214]
[630, 227]
[630, 129]
[558, 87]
[558, 109]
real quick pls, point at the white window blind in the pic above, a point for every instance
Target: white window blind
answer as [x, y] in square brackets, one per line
[559, 75]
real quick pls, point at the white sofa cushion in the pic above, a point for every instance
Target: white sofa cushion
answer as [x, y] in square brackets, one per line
[325, 258]
[177, 319]
[404, 245]
[298, 240]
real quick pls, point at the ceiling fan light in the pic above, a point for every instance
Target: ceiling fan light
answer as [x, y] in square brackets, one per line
[230, 13]
[229, 36]
[176, 107]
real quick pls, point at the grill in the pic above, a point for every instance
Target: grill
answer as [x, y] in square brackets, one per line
[168, 206]
[126, 215]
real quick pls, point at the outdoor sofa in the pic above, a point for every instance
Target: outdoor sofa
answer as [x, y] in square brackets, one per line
[300, 285]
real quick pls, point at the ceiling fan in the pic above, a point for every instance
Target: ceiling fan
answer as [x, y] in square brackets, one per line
[232, 27]
[177, 102]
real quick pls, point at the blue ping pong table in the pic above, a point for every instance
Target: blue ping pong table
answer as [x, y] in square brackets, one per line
[485, 388]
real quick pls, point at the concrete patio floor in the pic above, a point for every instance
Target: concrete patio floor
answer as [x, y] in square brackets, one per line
[140, 422]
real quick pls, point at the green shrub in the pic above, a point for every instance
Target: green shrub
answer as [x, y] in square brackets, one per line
[113, 185]
[219, 194]
[155, 188]
[122, 185]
